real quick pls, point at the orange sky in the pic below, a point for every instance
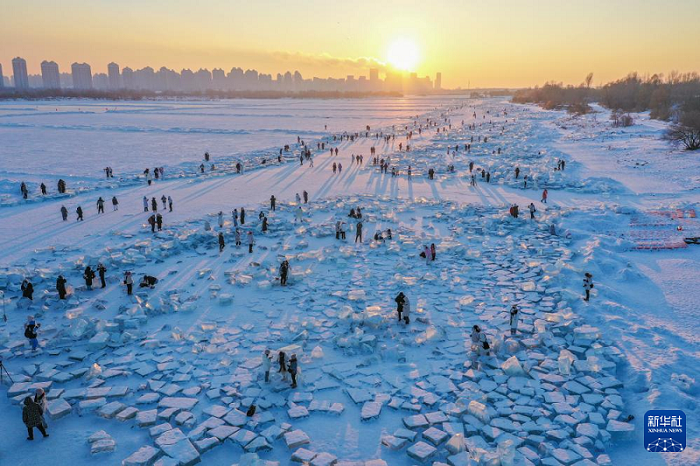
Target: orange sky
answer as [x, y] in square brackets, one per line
[485, 44]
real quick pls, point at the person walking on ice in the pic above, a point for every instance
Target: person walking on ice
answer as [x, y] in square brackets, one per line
[61, 287]
[273, 202]
[222, 244]
[170, 203]
[293, 368]
[299, 215]
[33, 416]
[251, 241]
[101, 270]
[31, 328]
[89, 276]
[79, 212]
[514, 317]
[400, 299]
[163, 199]
[129, 282]
[145, 204]
[284, 271]
[587, 285]
[221, 219]
[358, 232]
[100, 206]
[532, 209]
[115, 203]
[154, 204]
[544, 196]
[266, 364]
[64, 213]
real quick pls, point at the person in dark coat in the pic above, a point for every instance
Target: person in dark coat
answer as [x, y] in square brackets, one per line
[358, 232]
[115, 203]
[284, 271]
[61, 287]
[61, 187]
[273, 202]
[43, 189]
[281, 358]
[159, 221]
[433, 252]
[293, 368]
[152, 222]
[129, 282]
[306, 197]
[154, 204]
[27, 289]
[264, 224]
[148, 281]
[79, 211]
[222, 244]
[64, 213]
[100, 206]
[101, 269]
[242, 216]
[400, 299]
[24, 190]
[33, 416]
[587, 285]
[89, 276]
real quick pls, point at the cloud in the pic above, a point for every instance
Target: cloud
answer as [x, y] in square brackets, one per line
[327, 60]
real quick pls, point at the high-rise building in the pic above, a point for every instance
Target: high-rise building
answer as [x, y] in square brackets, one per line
[114, 76]
[82, 76]
[50, 75]
[438, 81]
[2, 78]
[128, 78]
[19, 70]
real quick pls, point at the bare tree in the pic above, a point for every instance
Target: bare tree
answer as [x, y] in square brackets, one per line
[589, 80]
[686, 132]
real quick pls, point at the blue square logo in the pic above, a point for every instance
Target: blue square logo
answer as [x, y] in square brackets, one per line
[664, 430]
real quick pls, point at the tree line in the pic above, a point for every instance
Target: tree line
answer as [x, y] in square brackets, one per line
[129, 94]
[674, 98]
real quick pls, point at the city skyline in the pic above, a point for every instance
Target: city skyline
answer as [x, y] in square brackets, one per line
[82, 78]
[504, 44]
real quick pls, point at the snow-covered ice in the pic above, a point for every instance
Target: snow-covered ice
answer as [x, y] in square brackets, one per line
[174, 374]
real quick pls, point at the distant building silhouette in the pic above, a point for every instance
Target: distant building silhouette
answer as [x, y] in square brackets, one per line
[50, 75]
[114, 76]
[2, 78]
[203, 80]
[82, 76]
[19, 71]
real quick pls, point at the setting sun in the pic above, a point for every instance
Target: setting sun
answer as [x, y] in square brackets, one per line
[403, 54]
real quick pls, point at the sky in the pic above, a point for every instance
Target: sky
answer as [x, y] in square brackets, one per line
[507, 43]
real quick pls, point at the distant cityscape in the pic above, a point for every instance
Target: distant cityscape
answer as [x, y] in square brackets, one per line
[81, 78]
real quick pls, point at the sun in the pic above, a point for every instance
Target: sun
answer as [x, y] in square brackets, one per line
[403, 54]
